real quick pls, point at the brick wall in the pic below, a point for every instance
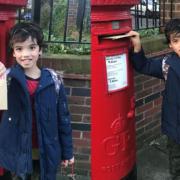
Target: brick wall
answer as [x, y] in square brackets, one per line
[148, 111]
[72, 14]
[166, 8]
[148, 108]
[75, 17]
[78, 93]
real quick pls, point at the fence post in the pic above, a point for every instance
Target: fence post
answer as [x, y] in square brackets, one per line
[36, 11]
[80, 17]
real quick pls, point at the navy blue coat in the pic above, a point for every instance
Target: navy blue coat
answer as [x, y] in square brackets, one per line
[53, 126]
[171, 94]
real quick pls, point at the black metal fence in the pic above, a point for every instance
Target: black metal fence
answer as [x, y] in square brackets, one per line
[150, 14]
[63, 21]
[68, 21]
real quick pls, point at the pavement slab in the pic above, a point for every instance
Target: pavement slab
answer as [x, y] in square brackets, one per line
[152, 161]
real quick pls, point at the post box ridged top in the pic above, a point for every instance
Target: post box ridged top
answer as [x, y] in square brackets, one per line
[13, 2]
[114, 2]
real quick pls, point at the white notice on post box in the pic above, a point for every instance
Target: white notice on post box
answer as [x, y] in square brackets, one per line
[116, 67]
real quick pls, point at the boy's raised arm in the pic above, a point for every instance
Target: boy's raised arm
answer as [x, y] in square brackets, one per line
[135, 39]
[139, 60]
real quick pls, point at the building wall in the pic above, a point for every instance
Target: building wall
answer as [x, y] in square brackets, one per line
[170, 10]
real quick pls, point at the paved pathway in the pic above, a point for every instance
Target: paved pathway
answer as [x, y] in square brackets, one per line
[152, 161]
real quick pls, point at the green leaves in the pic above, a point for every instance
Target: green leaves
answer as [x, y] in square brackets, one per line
[82, 49]
[149, 32]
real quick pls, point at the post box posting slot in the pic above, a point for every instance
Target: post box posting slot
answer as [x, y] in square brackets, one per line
[106, 30]
[115, 37]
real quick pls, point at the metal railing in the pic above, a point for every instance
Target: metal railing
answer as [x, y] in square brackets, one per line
[150, 14]
[63, 21]
[68, 21]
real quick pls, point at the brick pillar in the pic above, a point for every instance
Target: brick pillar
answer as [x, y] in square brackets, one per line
[169, 9]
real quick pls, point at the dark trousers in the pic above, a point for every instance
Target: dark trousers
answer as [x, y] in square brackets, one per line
[174, 159]
[132, 175]
[6, 176]
[36, 172]
[23, 177]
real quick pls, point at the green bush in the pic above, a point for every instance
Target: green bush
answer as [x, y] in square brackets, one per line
[82, 49]
[149, 32]
[57, 30]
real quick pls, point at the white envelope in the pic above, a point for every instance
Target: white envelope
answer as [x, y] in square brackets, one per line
[3, 93]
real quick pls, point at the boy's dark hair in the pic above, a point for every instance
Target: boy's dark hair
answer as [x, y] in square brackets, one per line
[22, 31]
[172, 27]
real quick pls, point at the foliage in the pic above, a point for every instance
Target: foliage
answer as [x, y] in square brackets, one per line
[82, 49]
[45, 18]
[58, 29]
[58, 17]
[59, 14]
[149, 32]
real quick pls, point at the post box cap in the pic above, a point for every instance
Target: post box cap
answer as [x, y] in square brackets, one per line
[13, 2]
[114, 2]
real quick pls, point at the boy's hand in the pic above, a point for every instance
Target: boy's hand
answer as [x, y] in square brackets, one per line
[135, 39]
[65, 163]
[2, 69]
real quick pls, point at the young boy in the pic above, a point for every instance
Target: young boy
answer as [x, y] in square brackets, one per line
[168, 69]
[37, 123]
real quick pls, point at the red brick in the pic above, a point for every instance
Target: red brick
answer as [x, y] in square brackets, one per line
[141, 79]
[84, 150]
[143, 93]
[81, 142]
[148, 84]
[86, 135]
[76, 118]
[143, 122]
[76, 100]
[88, 101]
[144, 108]
[76, 134]
[79, 109]
[86, 118]
[158, 88]
[83, 165]
[152, 111]
[157, 102]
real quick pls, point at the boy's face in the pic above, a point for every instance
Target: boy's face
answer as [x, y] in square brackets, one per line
[175, 43]
[27, 53]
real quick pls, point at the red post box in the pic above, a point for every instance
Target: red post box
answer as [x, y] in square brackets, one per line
[112, 91]
[7, 19]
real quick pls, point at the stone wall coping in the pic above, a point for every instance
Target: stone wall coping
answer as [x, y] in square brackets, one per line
[74, 76]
